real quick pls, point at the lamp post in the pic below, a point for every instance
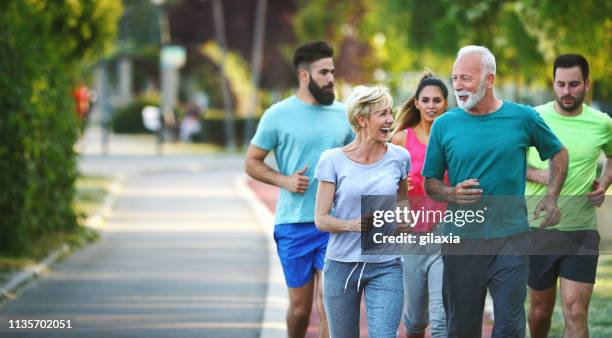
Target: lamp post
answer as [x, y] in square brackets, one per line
[219, 22]
[256, 58]
[164, 39]
[164, 29]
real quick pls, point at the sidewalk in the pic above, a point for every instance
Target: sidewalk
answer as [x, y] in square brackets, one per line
[268, 194]
[181, 256]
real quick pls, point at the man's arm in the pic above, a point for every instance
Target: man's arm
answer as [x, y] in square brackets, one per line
[256, 168]
[537, 175]
[437, 190]
[558, 172]
[466, 192]
[600, 186]
[606, 174]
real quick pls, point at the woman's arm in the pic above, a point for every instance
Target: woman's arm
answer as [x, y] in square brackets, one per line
[323, 204]
[402, 191]
[402, 202]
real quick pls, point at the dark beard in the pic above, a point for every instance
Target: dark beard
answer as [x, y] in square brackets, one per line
[324, 98]
[577, 103]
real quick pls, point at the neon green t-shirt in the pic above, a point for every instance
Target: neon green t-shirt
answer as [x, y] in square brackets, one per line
[584, 136]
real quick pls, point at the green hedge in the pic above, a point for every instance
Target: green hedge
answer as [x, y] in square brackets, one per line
[128, 119]
[41, 46]
[214, 130]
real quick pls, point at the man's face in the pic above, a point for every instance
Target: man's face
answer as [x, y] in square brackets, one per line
[468, 83]
[321, 84]
[569, 88]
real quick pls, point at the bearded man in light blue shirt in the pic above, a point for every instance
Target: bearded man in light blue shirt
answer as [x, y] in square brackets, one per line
[298, 129]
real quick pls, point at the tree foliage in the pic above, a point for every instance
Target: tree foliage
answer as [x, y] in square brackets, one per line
[42, 44]
[237, 72]
[524, 35]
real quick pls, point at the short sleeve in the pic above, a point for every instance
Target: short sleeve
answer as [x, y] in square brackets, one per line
[325, 170]
[435, 158]
[266, 136]
[405, 166]
[607, 147]
[542, 138]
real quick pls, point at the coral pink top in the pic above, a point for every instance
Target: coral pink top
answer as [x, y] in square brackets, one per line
[416, 195]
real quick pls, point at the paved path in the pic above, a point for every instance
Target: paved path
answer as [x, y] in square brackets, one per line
[182, 256]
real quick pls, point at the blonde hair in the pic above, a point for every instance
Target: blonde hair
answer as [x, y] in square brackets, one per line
[364, 100]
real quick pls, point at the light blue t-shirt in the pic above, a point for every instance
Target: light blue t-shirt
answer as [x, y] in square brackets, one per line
[298, 133]
[491, 148]
[353, 180]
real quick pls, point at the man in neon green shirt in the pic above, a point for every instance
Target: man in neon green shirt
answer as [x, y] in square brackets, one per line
[585, 132]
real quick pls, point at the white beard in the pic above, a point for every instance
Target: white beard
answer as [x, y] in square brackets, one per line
[473, 98]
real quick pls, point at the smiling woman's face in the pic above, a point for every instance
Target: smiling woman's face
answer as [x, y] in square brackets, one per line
[379, 124]
[431, 103]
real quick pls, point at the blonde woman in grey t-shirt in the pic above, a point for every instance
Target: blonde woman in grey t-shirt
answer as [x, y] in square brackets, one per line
[367, 166]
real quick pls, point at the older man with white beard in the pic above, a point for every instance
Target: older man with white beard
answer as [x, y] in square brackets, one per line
[482, 144]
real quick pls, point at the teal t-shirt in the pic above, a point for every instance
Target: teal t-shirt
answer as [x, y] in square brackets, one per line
[298, 133]
[491, 148]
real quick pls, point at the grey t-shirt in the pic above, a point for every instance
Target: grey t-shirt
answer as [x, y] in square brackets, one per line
[353, 180]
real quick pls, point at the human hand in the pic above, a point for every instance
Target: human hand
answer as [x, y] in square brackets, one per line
[597, 196]
[365, 223]
[410, 185]
[466, 192]
[297, 182]
[553, 214]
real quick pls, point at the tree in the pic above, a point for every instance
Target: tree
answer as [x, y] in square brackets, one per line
[42, 45]
[524, 35]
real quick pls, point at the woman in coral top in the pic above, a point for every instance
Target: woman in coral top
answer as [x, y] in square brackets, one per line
[423, 269]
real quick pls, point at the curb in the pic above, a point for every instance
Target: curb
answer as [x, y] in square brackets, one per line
[273, 324]
[20, 279]
[99, 218]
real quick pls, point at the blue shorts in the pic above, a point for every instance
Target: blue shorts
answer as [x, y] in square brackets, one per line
[301, 248]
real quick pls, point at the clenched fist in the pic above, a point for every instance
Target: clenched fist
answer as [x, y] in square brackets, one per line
[297, 182]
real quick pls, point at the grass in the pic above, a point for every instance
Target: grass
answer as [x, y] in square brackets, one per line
[90, 194]
[600, 319]
[175, 147]
[191, 148]
[42, 246]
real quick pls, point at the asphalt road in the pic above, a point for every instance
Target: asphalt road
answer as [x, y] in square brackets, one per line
[181, 256]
